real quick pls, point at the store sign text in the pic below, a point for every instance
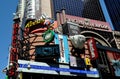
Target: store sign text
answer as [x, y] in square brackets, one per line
[58, 69]
[87, 24]
[92, 48]
[33, 23]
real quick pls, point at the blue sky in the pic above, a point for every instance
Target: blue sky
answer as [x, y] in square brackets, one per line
[7, 8]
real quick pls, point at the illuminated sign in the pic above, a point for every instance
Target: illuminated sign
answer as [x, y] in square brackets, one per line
[51, 68]
[92, 48]
[47, 50]
[48, 36]
[33, 23]
[41, 25]
[87, 61]
[58, 69]
[13, 50]
[62, 40]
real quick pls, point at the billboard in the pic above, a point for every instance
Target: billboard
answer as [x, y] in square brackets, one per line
[45, 68]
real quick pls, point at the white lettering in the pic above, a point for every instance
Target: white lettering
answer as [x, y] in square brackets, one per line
[91, 48]
[88, 24]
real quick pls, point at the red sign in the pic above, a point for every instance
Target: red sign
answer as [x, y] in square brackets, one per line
[92, 48]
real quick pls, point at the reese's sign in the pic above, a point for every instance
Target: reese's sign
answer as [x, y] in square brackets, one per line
[35, 24]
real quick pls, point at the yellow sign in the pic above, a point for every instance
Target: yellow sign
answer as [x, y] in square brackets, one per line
[32, 23]
[20, 75]
[87, 61]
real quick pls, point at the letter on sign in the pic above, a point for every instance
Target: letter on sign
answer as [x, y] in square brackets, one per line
[92, 48]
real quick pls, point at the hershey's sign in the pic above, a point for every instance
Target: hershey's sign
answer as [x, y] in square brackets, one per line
[92, 48]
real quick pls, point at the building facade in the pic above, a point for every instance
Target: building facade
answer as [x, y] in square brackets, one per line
[97, 10]
[63, 40]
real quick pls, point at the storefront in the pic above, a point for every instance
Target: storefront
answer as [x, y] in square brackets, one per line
[109, 61]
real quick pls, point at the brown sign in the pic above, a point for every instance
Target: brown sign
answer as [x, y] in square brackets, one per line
[89, 23]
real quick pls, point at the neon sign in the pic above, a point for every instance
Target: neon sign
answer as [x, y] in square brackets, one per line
[33, 23]
[48, 36]
[58, 69]
[47, 50]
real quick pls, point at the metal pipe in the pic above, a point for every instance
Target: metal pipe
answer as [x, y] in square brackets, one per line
[58, 17]
[63, 16]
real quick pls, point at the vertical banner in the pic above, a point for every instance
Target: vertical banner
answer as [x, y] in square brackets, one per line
[92, 48]
[64, 47]
[56, 38]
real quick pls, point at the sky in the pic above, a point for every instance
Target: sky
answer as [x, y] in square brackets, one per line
[7, 8]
